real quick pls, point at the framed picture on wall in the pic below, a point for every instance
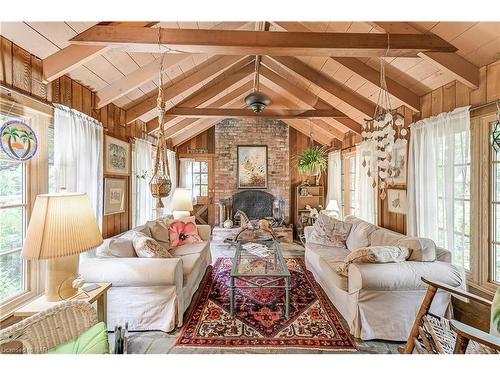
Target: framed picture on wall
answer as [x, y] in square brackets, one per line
[115, 195]
[397, 201]
[399, 156]
[116, 157]
[252, 167]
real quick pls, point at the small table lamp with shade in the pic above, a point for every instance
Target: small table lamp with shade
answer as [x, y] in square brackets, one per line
[182, 203]
[61, 227]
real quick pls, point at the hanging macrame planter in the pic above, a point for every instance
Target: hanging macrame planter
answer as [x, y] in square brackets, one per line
[161, 184]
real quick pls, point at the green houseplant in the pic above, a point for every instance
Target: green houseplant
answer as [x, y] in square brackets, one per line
[313, 162]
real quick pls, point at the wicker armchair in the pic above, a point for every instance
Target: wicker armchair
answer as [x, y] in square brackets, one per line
[47, 329]
[433, 334]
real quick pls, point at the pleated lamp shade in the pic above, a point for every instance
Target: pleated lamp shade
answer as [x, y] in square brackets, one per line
[61, 225]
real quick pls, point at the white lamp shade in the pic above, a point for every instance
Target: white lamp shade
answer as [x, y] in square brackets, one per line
[61, 225]
[181, 200]
[333, 206]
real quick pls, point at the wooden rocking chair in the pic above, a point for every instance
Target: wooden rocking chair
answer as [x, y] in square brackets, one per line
[432, 334]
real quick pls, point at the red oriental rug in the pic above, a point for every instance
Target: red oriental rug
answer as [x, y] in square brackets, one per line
[260, 322]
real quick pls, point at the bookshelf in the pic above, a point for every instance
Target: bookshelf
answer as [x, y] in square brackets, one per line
[315, 198]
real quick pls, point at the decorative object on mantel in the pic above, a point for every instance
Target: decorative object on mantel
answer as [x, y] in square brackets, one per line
[495, 133]
[257, 100]
[116, 157]
[228, 223]
[313, 161]
[18, 141]
[61, 227]
[252, 167]
[197, 150]
[115, 190]
[387, 130]
[160, 184]
[278, 212]
[397, 201]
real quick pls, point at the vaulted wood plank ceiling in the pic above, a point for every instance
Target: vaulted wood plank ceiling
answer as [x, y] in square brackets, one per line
[340, 82]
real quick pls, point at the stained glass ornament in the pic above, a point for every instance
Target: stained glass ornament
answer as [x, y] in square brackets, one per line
[495, 136]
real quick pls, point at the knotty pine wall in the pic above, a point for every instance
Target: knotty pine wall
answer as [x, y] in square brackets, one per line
[205, 140]
[22, 72]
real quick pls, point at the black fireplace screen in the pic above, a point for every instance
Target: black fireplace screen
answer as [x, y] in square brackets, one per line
[257, 204]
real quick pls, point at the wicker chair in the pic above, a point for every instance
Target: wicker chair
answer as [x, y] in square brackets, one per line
[432, 334]
[47, 329]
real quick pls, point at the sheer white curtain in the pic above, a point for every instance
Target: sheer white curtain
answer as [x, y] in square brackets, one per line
[186, 174]
[439, 181]
[143, 203]
[334, 178]
[172, 167]
[78, 155]
[366, 205]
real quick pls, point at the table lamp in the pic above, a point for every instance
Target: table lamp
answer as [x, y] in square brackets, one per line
[182, 203]
[61, 227]
[333, 208]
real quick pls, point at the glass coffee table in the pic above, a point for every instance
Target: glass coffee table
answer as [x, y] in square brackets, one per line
[262, 267]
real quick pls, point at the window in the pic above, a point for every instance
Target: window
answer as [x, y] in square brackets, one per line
[13, 205]
[456, 202]
[200, 178]
[495, 214]
[348, 176]
[52, 170]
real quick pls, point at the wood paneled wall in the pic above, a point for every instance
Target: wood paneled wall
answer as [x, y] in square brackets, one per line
[298, 143]
[205, 140]
[22, 72]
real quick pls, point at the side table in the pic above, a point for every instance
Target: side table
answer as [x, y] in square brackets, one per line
[41, 303]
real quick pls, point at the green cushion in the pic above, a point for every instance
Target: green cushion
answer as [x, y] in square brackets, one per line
[92, 341]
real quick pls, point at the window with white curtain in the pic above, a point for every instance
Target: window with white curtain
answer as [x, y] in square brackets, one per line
[348, 178]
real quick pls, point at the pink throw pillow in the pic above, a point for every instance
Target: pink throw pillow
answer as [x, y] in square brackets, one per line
[183, 233]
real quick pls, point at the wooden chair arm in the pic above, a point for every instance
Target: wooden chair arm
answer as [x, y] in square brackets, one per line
[457, 291]
[475, 334]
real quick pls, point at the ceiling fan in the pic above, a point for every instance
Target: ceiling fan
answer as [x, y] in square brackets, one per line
[257, 100]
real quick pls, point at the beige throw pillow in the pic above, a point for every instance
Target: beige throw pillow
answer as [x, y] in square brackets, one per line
[328, 231]
[147, 247]
[121, 246]
[374, 254]
[359, 236]
[159, 231]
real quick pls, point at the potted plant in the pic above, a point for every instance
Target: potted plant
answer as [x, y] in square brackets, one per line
[313, 162]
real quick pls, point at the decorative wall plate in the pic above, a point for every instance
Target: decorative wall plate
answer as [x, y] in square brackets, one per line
[18, 140]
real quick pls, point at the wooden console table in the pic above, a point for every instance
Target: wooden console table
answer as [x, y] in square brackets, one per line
[284, 233]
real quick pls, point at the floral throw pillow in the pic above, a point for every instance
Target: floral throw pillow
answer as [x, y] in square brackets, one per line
[147, 247]
[374, 254]
[182, 233]
[328, 231]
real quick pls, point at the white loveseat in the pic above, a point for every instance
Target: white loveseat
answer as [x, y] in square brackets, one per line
[379, 301]
[151, 293]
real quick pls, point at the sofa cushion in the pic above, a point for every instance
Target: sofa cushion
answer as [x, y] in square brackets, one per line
[192, 248]
[190, 262]
[328, 231]
[359, 236]
[328, 259]
[382, 237]
[374, 254]
[422, 249]
[122, 246]
[102, 251]
[92, 341]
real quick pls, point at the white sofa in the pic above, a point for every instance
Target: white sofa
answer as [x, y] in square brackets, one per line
[379, 301]
[151, 293]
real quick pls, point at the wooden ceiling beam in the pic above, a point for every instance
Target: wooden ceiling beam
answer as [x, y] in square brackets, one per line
[73, 56]
[249, 114]
[235, 74]
[365, 71]
[237, 42]
[192, 77]
[328, 84]
[309, 98]
[455, 65]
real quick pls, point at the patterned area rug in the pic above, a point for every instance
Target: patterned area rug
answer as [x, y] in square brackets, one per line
[260, 322]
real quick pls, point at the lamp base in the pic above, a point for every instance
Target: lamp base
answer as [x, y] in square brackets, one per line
[180, 214]
[60, 275]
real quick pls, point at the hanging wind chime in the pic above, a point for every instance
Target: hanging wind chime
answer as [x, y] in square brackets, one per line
[386, 130]
[160, 184]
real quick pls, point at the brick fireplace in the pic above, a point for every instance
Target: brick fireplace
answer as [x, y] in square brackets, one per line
[230, 133]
